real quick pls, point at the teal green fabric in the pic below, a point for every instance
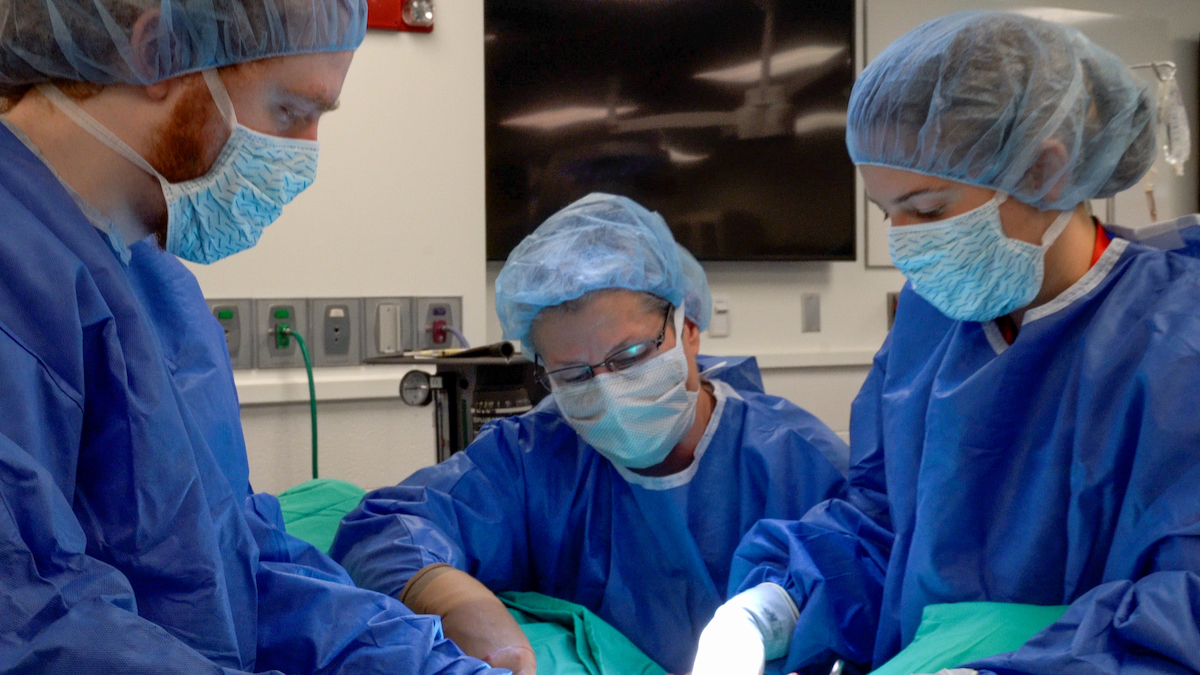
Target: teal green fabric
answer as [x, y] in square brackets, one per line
[567, 638]
[312, 510]
[570, 640]
[956, 634]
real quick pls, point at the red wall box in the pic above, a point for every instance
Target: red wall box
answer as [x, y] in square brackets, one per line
[389, 15]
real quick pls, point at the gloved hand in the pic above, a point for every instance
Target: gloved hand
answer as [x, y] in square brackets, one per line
[953, 671]
[472, 616]
[753, 627]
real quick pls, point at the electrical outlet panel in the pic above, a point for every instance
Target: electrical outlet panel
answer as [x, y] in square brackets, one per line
[433, 319]
[387, 326]
[237, 319]
[336, 326]
[273, 350]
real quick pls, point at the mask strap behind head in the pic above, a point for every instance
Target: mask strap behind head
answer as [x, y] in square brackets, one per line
[1056, 228]
[89, 124]
[680, 322]
[220, 96]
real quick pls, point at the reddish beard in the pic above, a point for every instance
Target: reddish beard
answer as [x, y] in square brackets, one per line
[187, 144]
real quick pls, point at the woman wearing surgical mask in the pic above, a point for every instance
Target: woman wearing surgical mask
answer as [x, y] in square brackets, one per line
[1029, 431]
[626, 490]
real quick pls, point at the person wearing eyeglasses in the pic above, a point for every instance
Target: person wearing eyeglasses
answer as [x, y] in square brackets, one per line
[628, 488]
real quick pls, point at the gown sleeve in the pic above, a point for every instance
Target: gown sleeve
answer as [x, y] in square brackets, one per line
[312, 619]
[62, 611]
[468, 512]
[832, 561]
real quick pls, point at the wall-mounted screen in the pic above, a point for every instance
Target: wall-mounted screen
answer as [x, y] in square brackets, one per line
[725, 116]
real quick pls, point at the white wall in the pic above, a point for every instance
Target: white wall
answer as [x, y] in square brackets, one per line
[398, 209]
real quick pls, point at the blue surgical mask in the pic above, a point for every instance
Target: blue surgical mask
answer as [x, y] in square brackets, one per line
[967, 267]
[224, 211]
[634, 417]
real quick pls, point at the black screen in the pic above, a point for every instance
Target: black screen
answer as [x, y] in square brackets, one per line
[666, 102]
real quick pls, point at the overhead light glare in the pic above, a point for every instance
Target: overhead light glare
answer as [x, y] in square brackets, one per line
[549, 120]
[1071, 17]
[681, 157]
[783, 64]
[819, 121]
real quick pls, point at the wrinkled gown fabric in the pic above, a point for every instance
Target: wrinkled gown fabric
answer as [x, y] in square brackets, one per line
[530, 507]
[129, 540]
[1060, 470]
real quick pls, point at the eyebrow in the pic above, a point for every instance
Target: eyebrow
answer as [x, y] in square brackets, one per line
[321, 102]
[908, 195]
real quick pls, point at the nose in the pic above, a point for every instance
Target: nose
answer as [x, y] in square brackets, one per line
[600, 369]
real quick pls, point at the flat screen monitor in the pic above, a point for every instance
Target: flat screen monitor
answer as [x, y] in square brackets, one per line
[725, 116]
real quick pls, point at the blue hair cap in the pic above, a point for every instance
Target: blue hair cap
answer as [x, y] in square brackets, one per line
[599, 242]
[142, 42]
[1006, 102]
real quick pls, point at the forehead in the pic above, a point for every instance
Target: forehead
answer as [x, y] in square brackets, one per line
[885, 184]
[318, 77]
[592, 332]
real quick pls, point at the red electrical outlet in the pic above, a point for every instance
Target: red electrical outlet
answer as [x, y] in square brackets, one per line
[401, 15]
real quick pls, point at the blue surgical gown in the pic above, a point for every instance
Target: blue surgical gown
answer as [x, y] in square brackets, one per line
[1061, 469]
[129, 541]
[530, 507]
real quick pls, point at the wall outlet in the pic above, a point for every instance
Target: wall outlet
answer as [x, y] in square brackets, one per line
[387, 326]
[237, 319]
[432, 317]
[273, 350]
[336, 327]
[810, 313]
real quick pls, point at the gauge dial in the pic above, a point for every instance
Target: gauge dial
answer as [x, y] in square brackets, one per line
[415, 389]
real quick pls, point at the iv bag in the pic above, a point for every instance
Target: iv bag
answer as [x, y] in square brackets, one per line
[1177, 145]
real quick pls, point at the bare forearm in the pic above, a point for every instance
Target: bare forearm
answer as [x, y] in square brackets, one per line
[472, 616]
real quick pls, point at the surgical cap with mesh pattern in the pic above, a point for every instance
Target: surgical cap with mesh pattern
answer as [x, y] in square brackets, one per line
[599, 242]
[145, 41]
[1006, 102]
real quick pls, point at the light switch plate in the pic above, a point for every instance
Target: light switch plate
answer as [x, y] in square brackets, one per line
[719, 325]
[387, 326]
[810, 313]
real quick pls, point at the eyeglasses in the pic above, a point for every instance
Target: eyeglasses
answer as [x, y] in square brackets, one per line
[623, 359]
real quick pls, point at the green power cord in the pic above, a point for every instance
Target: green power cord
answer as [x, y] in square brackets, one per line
[282, 333]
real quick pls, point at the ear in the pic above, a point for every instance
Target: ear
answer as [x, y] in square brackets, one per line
[1048, 175]
[691, 338]
[152, 51]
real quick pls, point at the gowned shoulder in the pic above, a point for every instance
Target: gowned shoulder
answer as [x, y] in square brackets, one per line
[773, 424]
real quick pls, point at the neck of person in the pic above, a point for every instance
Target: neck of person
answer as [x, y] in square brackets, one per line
[685, 450]
[1067, 260]
[111, 184]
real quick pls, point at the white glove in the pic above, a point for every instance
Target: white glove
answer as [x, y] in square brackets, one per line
[953, 671]
[753, 627]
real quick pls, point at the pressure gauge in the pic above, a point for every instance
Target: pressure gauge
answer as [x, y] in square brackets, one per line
[415, 389]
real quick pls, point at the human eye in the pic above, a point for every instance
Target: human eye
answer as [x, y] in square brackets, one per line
[927, 207]
[573, 375]
[630, 356]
